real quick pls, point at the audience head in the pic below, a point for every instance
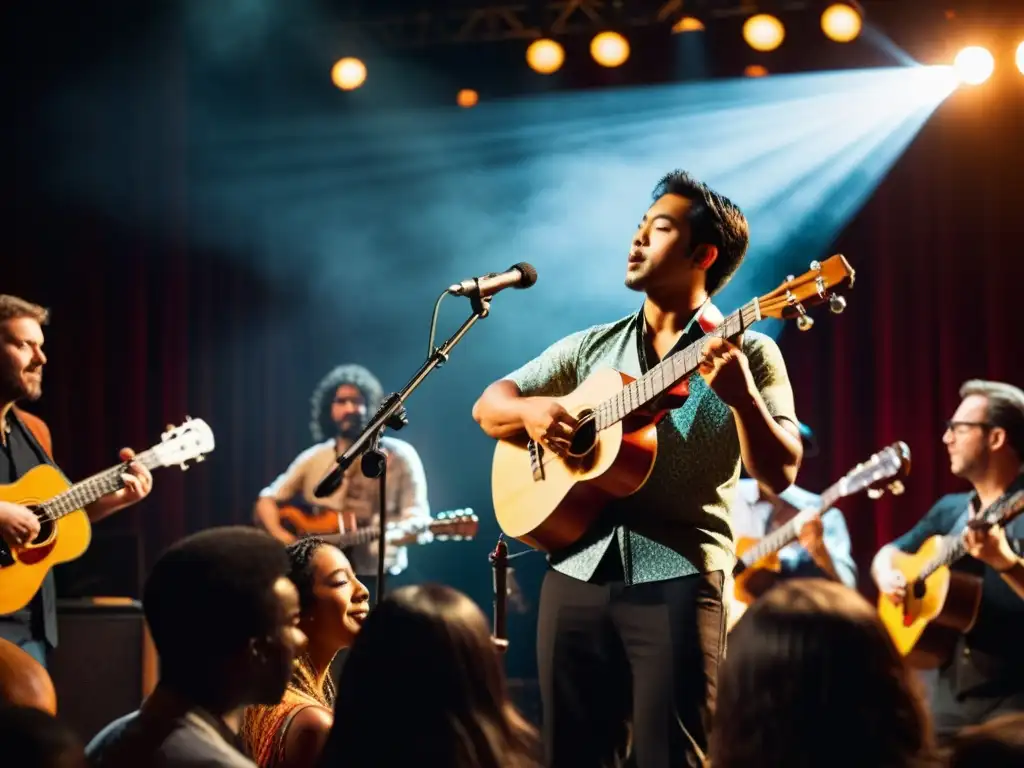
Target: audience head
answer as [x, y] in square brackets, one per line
[32, 738]
[432, 644]
[333, 603]
[999, 743]
[810, 678]
[224, 616]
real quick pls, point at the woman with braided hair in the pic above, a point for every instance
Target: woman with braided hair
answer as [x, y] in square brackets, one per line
[333, 605]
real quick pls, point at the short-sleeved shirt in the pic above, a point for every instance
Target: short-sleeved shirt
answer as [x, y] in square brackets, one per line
[166, 735]
[678, 522]
[358, 494]
[990, 654]
[756, 517]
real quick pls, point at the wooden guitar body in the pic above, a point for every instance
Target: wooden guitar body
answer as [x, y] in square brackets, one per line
[303, 522]
[24, 682]
[746, 582]
[22, 569]
[926, 626]
[550, 503]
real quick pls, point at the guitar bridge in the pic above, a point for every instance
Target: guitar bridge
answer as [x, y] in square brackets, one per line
[536, 465]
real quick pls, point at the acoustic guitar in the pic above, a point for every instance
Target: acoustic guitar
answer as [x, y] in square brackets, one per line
[302, 519]
[759, 558]
[65, 530]
[549, 502]
[940, 604]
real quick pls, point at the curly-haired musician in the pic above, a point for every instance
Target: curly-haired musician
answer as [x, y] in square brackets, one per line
[341, 405]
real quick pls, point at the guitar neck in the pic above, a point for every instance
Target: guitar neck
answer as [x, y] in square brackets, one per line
[93, 488]
[789, 532]
[953, 546]
[353, 538]
[671, 370]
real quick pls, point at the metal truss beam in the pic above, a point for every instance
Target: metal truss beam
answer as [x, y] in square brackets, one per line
[556, 18]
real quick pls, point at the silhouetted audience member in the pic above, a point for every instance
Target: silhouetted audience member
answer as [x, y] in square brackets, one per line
[998, 743]
[224, 619]
[433, 644]
[32, 738]
[811, 678]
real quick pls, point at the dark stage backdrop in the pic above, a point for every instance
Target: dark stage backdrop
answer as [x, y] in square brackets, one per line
[149, 325]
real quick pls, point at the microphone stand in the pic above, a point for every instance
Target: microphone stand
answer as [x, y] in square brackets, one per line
[499, 564]
[392, 414]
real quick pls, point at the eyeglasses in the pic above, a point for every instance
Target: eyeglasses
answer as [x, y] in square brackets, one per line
[963, 426]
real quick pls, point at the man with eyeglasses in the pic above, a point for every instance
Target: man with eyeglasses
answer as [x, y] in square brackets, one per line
[985, 441]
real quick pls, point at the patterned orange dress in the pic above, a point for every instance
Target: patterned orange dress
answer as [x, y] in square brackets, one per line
[264, 728]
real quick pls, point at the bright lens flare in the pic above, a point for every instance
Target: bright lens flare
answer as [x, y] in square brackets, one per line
[348, 73]
[763, 32]
[1020, 58]
[545, 56]
[609, 49]
[974, 65]
[841, 23]
[467, 98]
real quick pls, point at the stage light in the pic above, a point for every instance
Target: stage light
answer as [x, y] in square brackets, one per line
[763, 32]
[609, 49]
[1020, 57]
[688, 24]
[348, 73]
[841, 23]
[467, 98]
[973, 65]
[755, 70]
[545, 56]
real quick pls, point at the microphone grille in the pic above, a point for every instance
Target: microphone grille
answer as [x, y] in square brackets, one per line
[529, 274]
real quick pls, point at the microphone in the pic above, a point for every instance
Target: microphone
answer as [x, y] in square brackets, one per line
[521, 275]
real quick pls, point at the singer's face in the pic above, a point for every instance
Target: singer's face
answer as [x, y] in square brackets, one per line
[660, 255]
[348, 410]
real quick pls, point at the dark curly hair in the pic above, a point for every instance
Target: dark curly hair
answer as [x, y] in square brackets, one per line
[321, 424]
[714, 220]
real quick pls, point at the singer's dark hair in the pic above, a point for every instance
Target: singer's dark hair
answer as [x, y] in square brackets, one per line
[320, 423]
[714, 220]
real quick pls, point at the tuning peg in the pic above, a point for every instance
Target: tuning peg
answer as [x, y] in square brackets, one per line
[816, 265]
[168, 428]
[805, 322]
[184, 466]
[876, 493]
[836, 304]
[200, 457]
[896, 487]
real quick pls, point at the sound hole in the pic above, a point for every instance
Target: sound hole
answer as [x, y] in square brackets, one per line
[585, 436]
[45, 526]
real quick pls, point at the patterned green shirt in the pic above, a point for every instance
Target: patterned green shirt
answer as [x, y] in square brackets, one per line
[678, 523]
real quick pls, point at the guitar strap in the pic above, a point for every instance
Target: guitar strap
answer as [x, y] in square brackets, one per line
[707, 318]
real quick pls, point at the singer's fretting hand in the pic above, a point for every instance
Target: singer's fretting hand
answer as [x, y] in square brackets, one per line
[549, 424]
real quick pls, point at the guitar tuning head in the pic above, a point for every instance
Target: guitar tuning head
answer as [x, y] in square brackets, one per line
[184, 466]
[805, 322]
[875, 493]
[836, 304]
[896, 488]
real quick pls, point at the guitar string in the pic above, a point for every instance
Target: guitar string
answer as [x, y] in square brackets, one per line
[608, 404]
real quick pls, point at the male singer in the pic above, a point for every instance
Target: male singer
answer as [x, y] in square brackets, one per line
[632, 613]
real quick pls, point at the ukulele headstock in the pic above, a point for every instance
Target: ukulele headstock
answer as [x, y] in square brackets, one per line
[816, 286]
